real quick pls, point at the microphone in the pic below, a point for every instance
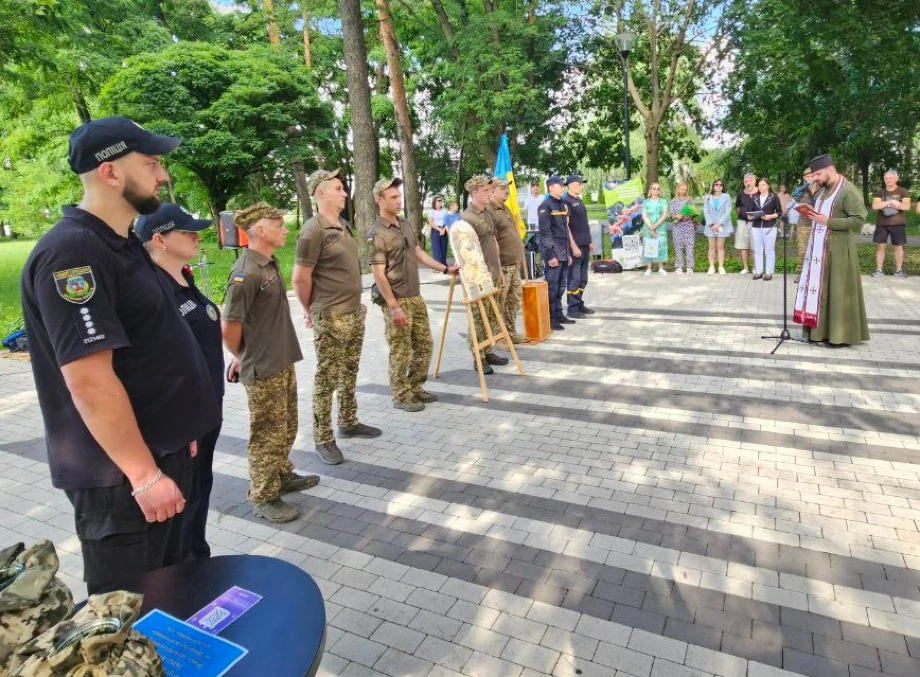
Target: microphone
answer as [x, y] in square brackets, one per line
[797, 193]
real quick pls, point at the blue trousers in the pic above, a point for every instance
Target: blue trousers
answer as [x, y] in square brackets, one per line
[439, 246]
[555, 279]
[578, 279]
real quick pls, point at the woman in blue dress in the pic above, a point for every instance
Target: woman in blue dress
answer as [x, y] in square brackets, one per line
[655, 226]
[717, 213]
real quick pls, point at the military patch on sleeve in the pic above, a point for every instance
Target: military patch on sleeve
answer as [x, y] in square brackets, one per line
[75, 285]
[239, 277]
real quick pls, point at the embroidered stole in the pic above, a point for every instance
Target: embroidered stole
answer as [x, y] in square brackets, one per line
[807, 307]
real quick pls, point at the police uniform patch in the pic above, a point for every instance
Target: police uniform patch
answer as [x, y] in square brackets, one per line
[75, 285]
[212, 313]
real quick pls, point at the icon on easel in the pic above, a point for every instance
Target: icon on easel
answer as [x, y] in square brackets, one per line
[474, 273]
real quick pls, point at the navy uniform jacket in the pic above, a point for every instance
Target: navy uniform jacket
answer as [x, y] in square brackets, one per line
[553, 222]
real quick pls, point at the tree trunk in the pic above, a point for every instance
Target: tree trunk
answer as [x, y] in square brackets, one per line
[864, 170]
[413, 194]
[362, 122]
[273, 37]
[303, 197]
[652, 152]
[80, 102]
[307, 51]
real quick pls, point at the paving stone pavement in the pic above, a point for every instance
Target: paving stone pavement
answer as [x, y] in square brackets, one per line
[658, 496]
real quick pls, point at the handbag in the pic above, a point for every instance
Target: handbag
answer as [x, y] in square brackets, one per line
[607, 266]
[650, 247]
[32, 598]
[97, 642]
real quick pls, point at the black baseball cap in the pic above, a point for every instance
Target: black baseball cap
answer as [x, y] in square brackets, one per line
[167, 218]
[574, 178]
[107, 139]
[554, 181]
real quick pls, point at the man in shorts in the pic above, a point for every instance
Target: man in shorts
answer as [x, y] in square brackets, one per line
[744, 203]
[890, 204]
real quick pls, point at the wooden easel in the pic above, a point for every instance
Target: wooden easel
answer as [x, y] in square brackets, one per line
[493, 339]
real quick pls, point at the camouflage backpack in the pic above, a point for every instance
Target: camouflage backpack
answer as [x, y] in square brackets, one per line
[97, 642]
[32, 600]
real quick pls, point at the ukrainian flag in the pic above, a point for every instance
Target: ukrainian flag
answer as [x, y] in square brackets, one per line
[503, 171]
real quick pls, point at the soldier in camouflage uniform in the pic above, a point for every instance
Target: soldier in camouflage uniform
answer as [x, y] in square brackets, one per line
[327, 280]
[395, 264]
[72, 648]
[32, 599]
[258, 332]
[511, 254]
[480, 218]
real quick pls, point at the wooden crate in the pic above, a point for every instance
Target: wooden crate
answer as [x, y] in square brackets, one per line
[536, 310]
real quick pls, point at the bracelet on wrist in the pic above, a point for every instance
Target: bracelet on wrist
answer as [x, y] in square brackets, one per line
[144, 487]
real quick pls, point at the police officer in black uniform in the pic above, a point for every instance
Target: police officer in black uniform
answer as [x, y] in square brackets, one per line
[122, 385]
[555, 248]
[582, 247]
[171, 237]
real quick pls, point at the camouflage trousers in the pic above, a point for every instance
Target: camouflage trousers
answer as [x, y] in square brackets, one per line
[272, 429]
[480, 325]
[510, 298]
[410, 349]
[338, 342]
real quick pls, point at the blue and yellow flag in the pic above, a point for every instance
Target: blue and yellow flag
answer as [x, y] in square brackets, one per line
[503, 171]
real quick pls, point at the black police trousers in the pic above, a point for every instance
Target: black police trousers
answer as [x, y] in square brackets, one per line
[195, 516]
[578, 279]
[119, 545]
[555, 280]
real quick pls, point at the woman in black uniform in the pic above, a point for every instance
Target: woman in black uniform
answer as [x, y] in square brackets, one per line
[171, 237]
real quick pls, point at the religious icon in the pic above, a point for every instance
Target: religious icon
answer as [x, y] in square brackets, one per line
[474, 274]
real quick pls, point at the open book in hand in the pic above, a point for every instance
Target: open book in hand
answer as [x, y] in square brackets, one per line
[806, 211]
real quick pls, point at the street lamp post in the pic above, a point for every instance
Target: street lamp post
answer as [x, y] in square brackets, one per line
[624, 42]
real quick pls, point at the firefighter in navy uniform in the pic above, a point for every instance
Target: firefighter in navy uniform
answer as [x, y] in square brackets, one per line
[582, 248]
[555, 248]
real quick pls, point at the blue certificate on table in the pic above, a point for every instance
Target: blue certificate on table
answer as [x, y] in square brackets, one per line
[187, 651]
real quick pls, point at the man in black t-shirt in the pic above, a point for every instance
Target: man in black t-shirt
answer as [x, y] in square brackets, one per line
[890, 204]
[123, 387]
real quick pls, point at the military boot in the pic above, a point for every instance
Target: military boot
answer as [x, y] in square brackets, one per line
[425, 397]
[493, 359]
[329, 453]
[360, 430]
[276, 511]
[409, 406]
[294, 482]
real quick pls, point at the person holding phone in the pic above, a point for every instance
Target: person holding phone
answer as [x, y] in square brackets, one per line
[763, 229]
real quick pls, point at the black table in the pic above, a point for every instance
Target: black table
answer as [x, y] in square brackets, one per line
[285, 631]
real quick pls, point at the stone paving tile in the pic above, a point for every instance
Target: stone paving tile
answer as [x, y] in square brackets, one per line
[736, 502]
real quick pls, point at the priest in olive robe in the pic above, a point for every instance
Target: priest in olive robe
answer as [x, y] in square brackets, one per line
[829, 303]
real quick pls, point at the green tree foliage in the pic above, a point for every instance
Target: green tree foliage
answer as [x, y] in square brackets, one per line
[241, 112]
[825, 76]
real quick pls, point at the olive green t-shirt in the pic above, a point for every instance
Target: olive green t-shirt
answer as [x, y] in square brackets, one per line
[256, 297]
[332, 252]
[898, 218]
[510, 245]
[394, 248]
[484, 225]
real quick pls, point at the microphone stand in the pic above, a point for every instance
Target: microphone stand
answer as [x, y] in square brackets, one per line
[784, 335]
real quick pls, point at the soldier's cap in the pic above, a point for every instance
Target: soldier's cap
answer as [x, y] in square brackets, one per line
[498, 182]
[319, 176]
[821, 162]
[386, 184]
[574, 178]
[167, 218]
[554, 181]
[245, 218]
[108, 139]
[475, 182]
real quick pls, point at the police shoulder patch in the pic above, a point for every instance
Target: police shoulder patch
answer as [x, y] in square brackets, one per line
[75, 285]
